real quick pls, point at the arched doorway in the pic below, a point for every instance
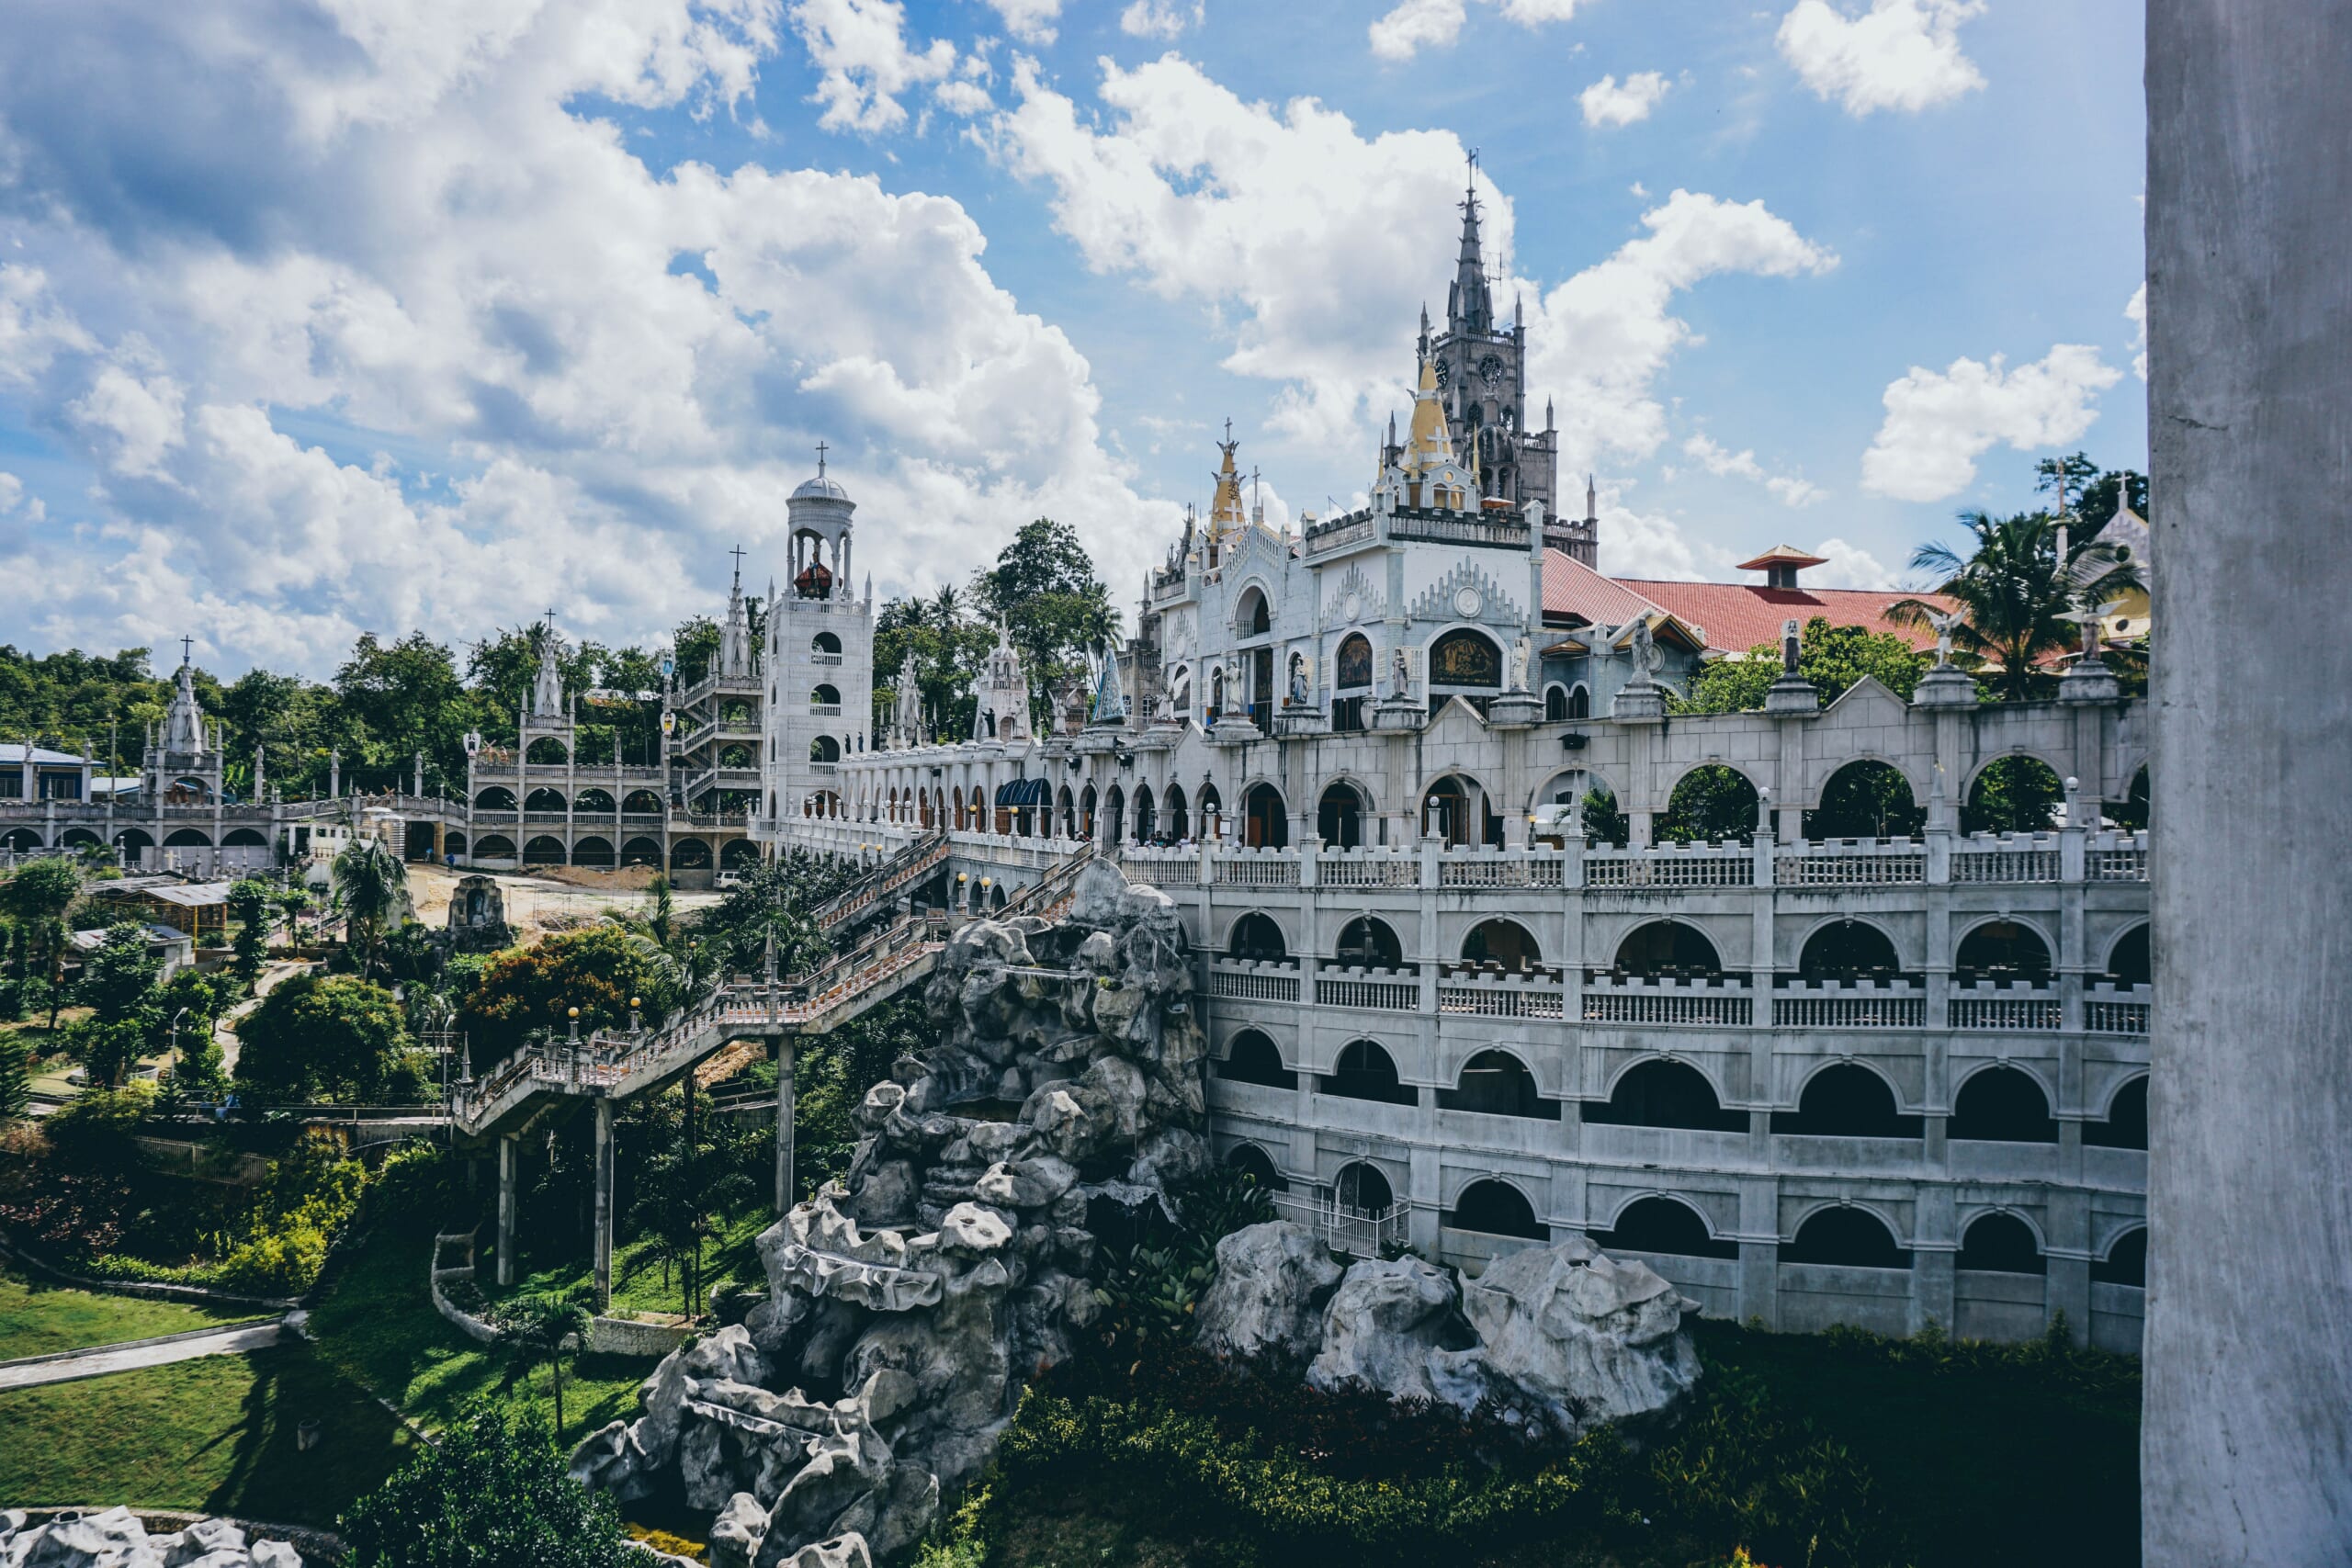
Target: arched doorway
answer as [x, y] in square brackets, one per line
[1496, 1083]
[1265, 824]
[1339, 816]
[1868, 799]
[1252, 1058]
[1366, 1071]
[1495, 1208]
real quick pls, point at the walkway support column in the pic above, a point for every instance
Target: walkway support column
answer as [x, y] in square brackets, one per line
[603, 1203]
[783, 1106]
[2246, 1426]
[507, 1157]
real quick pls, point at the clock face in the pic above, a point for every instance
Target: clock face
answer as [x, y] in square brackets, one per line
[1491, 368]
[1444, 372]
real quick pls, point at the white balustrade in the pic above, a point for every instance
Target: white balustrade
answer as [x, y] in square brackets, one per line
[1493, 994]
[2116, 857]
[1388, 990]
[1255, 980]
[2116, 1010]
[1368, 868]
[2010, 857]
[1257, 868]
[1671, 865]
[1850, 1004]
[1856, 863]
[1499, 868]
[1719, 1001]
[1996, 1005]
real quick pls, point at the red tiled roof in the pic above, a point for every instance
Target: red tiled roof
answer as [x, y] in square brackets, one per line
[1735, 616]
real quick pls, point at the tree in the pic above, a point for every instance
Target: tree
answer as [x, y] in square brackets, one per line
[334, 1038]
[950, 650]
[1045, 590]
[1833, 658]
[35, 901]
[597, 970]
[15, 1075]
[691, 1173]
[371, 884]
[492, 1494]
[2015, 592]
[292, 905]
[533, 1328]
[249, 906]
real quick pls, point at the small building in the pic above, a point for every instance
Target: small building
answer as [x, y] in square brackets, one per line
[175, 947]
[199, 909]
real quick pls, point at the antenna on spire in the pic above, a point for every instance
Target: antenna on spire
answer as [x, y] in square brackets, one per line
[821, 450]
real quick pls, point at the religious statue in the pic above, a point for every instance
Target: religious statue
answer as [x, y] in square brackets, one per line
[1791, 643]
[1646, 662]
[1298, 680]
[1400, 670]
[1943, 622]
[1522, 652]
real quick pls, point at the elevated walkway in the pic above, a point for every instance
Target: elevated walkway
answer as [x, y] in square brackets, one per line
[910, 868]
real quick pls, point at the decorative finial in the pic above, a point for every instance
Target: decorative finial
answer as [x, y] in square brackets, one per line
[187, 649]
[821, 450]
[738, 553]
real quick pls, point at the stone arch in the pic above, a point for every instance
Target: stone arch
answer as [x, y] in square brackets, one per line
[1668, 948]
[690, 854]
[25, 841]
[1254, 1162]
[645, 803]
[996, 896]
[1457, 808]
[1844, 948]
[1085, 811]
[1251, 1057]
[1362, 1187]
[1496, 1083]
[2128, 958]
[824, 748]
[2002, 1103]
[1999, 1241]
[1494, 1206]
[546, 798]
[2124, 1124]
[1556, 702]
[1847, 1099]
[1253, 610]
[2000, 948]
[641, 851]
[1175, 825]
[1114, 810]
[1598, 796]
[1850, 1236]
[1867, 797]
[2016, 792]
[1367, 942]
[1364, 1070]
[81, 838]
[824, 695]
[738, 855]
[1712, 802]
[1500, 940]
[453, 843]
[825, 642]
[1258, 935]
[234, 839]
[1265, 819]
[2125, 1261]
[133, 842]
[1663, 1224]
[179, 839]
[1579, 702]
[599, 801]
[497, 797]
[593, 850]
[544, 850]
[1658, 1091]
[547, 751]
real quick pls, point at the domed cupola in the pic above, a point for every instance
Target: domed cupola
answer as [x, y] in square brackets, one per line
[819, 516]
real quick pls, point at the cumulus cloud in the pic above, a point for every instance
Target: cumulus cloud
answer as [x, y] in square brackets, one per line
[1609, 102]
[589, 378]
[1031, 21]
[1724, 463]
[1900, 54]
[861, 49]
[1415, 25]
[2135, 310]
[1161, 18]
[1939, 423]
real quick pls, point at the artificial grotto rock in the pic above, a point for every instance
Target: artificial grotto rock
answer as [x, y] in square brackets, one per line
[908, 1305]
[1587, 1338]
[1266, 1302]
[116, 1539]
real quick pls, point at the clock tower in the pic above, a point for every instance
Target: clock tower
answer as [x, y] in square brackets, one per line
[1481, 370]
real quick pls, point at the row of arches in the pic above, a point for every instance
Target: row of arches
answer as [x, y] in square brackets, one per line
[591, 801]
[595, 850]
[1842, 1235]
[132, 841]
[1996, 1103]
[1846, 949]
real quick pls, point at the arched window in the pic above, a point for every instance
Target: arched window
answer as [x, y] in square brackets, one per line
[543, 850]
[2131, 813]
[1172, 806]
[1496, 1083]
[1361, 1188]
[1115, 809]
[1147, 815]
[825, 642]
[2126, 961]
[1365, 1071]
[545, 799]
[595, 800]
[1555, 704]
[1580, 703]
[497, 797]
[1065, 808]
[546, 752]
[1339, 816]
[1504, 943]
[493, 846]
[1867, 799]
[1354, 663]
[1849, 1238]
[2003, 949]
[1846, 1101]
[825, 696]
[1668, 948]
[690, 854]
[1662, 1226]
[1666, 1094]
[1266, 825]
[1495, 1208]
[593, 850]
[1258, 1164]
[1210, 810]
[1216, 692]
[2126, 1262]
[1254, 620]
[1256, 936]
[1366, 942]
[1456, 811]
[2013, 795]
[2002, 1105]
[645, 803]
[2126, 1126]
[739, 855]
[1709, 803]
[824, 748]
[1252, 1058]
[641, 851]
[1464, 658]
[2001, 1243]
[1848, 949]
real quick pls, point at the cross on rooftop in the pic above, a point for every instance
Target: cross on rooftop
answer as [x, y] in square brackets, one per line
[187, 649]
[822, 450]
[738, 551]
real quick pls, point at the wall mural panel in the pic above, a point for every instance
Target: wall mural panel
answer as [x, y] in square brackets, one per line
[1466, 658]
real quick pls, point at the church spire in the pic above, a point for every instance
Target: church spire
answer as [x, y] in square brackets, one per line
[1468, 307]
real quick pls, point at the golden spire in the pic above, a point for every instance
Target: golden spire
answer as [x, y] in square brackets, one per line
[1225, 509]
[1429, 445]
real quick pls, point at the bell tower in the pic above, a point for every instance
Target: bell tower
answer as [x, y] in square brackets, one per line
[819, 663]
[1481, 370]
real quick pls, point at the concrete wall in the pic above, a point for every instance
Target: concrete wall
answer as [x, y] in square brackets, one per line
[2246, 1446]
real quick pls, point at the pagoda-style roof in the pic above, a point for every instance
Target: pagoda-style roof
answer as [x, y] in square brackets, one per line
[1782, 554]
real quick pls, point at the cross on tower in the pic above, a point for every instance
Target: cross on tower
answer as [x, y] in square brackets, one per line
[551, 617]
[821, 450]
[738, 551]
[187, 649]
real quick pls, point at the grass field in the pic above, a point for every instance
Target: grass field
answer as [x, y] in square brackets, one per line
[216, 1435]
[37, 1319]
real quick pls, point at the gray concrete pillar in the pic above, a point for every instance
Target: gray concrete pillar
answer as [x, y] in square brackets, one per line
[2246, 1431]
[507, 1153]
[604, 1204]
[785, 1096]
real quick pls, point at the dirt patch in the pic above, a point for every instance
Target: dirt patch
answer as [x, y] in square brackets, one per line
[729, 1061]
[626, 879]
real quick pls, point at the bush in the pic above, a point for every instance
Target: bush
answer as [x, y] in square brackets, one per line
[494, 1494]
[95, 1128]
[332, 1039]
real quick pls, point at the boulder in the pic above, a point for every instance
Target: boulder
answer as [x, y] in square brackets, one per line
[1026, 1184]
[1384, 1325]
[1586, 1337]
[1266, 1305]
[116, 1539]
[736, 1533]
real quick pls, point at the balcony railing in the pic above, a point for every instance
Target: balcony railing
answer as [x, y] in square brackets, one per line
[1479, 993]
[1859, 862]
[1368, 868]
[1717, 1001]
[1386, 990]
[1256, 980]
[2116, 1010]
[1677, 865]
[1850, 1004]
[2016, 1008]
[2028, 857]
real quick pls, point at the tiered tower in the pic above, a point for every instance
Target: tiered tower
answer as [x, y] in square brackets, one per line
[820, 656]
[1481, 368]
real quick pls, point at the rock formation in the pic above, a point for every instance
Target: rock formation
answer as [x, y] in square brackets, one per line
[1557, 1339]
[116, 1539]
[908, 1304]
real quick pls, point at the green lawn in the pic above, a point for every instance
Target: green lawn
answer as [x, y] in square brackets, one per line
[638, 1282]
[36, 1319]
[215, 1435]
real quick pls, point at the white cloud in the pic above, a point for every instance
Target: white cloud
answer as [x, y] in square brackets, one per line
[14, 501]
[569, 420]
[1724, 463]
[1161, 18]
[1608, 102]
[1600, 340]
[1415, 25]
[2135, 310]
[1847, 566]
[1939, 423]
[1031, 21]
[1900, 54]
[860, 48]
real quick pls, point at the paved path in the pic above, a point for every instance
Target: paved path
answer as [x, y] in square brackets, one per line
[100, 1360]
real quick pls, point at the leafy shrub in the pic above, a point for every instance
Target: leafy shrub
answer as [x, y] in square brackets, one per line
[493, 1493]
[95, 1128]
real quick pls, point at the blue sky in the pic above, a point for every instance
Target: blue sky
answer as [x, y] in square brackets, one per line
[318, 318]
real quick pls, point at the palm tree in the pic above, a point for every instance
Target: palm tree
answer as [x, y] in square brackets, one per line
[2014, 593]
[947, 608]
[534, 1329]
[370, 882]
